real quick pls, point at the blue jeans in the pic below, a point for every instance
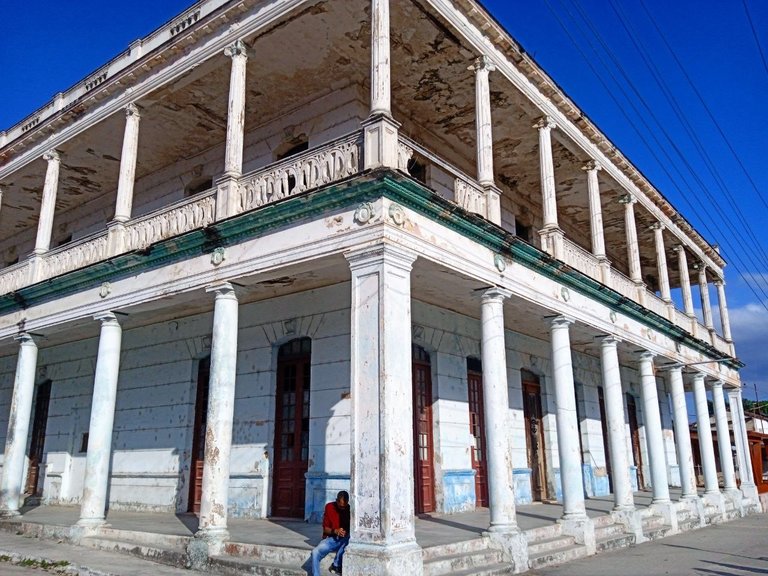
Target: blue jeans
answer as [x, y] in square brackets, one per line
[326, 546]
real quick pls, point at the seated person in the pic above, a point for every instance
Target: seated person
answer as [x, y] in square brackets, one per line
[335, 534]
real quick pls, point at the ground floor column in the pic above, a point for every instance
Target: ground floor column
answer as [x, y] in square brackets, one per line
[682, 434]
[723, 437]
[653, 433]
[746, 475]
[212, 529]
[615, 424]
[704, 430]
[383, 539]
[18, 426]
[93, 506]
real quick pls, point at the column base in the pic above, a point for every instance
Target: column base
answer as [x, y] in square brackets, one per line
[630, 518]
[581, 527]
[382, 560]
[91, 522]
[227, 196]
[513, 546]
[380, 142]
[492, 204]
[552, 241]
[206, 543]
[735, 496]
[668, 511]
[9, 513]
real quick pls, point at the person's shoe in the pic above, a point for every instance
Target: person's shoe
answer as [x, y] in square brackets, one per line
[334, 570]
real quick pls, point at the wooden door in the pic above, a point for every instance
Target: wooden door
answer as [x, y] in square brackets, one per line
[37, 444]
[634, 430]
[292, 428]
[477, 430]
[534, 435]
[423, 446]
[198, 436]
[606, 447]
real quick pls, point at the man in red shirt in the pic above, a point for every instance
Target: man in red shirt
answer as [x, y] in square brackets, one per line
[335, 534]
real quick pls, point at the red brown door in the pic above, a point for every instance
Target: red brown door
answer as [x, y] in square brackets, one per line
[198, 436]
[292, 428]
[534, 435]
[37, 444]
[477, 430]
[634, 431]
[423, 450]
[606, 449]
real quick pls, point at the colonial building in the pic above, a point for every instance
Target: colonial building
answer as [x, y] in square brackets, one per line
[278, 248]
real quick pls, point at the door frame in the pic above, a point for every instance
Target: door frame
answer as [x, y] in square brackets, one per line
[37, 437]
[475, 369]
[420, 506]
[635, 440]
[198, 440]
[531, 381]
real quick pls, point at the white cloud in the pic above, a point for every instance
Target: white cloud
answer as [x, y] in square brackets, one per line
[749, 325]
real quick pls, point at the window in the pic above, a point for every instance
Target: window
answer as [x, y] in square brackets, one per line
[292, 149]
[418, 170]
[198, 185]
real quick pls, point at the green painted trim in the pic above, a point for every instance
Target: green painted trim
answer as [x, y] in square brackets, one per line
[363, 188]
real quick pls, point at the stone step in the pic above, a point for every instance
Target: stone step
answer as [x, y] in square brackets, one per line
[231, 566]
[543, 532]
[35, 530]
[614, 542]
[145, 538]
[459, 562]
[651, 522]
[608, 531]
[656, 533]
[495, 570]
[554, 557]
[604, 520]
[549, 544]
[463, 547]
[689, 524]
[268, 554]
[175, 556]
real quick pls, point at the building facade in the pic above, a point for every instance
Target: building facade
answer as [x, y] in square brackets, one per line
[281, 248]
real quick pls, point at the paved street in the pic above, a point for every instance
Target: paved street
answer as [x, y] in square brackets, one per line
[738, 548]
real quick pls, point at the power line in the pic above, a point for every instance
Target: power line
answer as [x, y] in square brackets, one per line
[754, 35]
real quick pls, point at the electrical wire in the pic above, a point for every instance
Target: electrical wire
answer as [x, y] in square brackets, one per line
[754, 35]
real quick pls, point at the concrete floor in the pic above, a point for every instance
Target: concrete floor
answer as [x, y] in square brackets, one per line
[431, 529]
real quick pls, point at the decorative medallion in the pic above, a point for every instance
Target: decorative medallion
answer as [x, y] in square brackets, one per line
[498, 261]
[217, 256]
[105, 289]
[565, 293]
[397, 214]
[364, 213]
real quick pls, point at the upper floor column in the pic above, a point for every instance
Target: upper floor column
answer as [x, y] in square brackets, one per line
[48, 206]
[125, 183]
[595, 208]
[633, 248]
[724, 319]
[380, 129]
[685, 280]
[706, 306]
[227, 188]
[483, 67]
[661, 262]
[551, 235]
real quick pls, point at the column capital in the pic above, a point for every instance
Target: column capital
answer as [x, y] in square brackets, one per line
[106, 318]
[237, 48]
[561, 321]
[608, 340]
[591, 166]
[495, 294]
[719, 283]
[699, 376]
[396, 255]
[133, 111]
[678, 248]
[545, 123]
[717, 384]
[657, 226]
[52, 155]
[482, 63]
[222, 290]
[646, 355]
[627, 198]
[700, 266]
[25, 339]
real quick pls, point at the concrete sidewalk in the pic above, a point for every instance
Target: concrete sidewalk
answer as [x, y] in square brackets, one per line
[76, 560]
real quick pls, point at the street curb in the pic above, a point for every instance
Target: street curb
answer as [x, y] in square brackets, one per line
[69, 568]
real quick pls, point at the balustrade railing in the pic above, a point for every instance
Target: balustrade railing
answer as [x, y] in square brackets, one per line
[14, 277]
[69, 257]
[311, 169]
[623, 285]
[580, 259]
[656, 304]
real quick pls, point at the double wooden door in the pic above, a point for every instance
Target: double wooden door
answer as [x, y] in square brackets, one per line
[634, 431]
[534, 435]
[477, 430]
[423, 444]
[198, 436]
[606, 447]
[37, 444]
[291, 459]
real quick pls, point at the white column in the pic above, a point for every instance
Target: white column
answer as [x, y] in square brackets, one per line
[383, 539]
[18, 426]
[723, 437]
[746, 475]
[682, 433]
[93, 505]
[124, 204]
[706, 306]
[633, 248]
[380, 59]
[704, 429]
[545, 126]
[685, 280]
[595, 208]
[654, 436]
[482, 67]
[567, 422]
[233, 155]
[615, 423]
[661, 261]
[496, 404]
[724, 319]
[48, 205]
[221, 408]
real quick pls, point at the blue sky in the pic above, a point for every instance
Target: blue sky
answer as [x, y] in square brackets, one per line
[47, 46]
